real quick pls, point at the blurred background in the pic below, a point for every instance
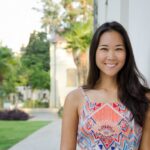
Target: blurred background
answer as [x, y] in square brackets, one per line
[44, 47]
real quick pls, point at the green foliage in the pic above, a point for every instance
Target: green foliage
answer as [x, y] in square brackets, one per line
[31, 69]
[37, 51]
[76, 22]
[22, 74]
[52, 18]
[35, 62]
[84, 10]
[35, 104]
[39, 78]
[77, 33]
[60, 112]
[8, 65]
[80, 19]
[8, 85]
[14, 131]
[5, 59]
[79, 36]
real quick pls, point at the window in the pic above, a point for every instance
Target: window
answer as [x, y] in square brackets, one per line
[71, 77]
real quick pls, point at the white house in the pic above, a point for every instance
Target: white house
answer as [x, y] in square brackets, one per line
[63, 73]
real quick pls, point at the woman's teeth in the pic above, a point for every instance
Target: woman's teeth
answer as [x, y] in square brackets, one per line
[110, 65]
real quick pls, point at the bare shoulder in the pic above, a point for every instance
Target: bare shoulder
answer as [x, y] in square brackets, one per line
[73, 97]
[70, 120]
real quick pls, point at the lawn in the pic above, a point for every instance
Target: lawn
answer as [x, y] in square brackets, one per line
[11, 132]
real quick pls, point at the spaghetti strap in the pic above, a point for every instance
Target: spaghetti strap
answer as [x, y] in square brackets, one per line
[84, 94]
[82, 91]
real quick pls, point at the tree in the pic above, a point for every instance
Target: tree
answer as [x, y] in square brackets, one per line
[53, 15]
[79, 33]
[5, 60]
[76, 21]
[35, 60]
[79, 10]
[8, 65]
[78, 39]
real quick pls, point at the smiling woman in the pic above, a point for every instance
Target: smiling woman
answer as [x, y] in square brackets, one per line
[112, 110]
[110, 54]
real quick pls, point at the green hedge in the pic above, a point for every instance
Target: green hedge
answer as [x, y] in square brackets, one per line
[35, 104]
[60, 112]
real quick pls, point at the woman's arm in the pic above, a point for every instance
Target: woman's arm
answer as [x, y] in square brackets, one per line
[145, 142]
[70, 122]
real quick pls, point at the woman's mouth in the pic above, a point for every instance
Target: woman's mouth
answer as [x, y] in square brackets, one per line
[110, 65]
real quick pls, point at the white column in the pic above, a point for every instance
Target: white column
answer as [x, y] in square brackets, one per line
[108, 10]
[139, 24]
[54, 100]
[124, 13]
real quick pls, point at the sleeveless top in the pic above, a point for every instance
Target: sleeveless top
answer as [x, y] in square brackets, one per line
[107, 126]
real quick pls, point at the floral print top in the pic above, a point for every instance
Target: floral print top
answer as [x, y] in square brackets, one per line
[107, 126]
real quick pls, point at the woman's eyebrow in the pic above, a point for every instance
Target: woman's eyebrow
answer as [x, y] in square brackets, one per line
[120, 45]
[103, 45]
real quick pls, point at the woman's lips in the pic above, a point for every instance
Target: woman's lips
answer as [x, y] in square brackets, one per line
[110, 65]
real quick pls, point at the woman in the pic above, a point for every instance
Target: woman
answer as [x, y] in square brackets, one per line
[110, 112]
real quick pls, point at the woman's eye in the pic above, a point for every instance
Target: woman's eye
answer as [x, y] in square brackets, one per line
[119, 49]
[103, 49]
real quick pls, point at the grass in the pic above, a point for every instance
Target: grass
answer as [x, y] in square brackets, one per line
[11, 132]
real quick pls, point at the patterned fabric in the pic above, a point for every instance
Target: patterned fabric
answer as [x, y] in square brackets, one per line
[107, 126]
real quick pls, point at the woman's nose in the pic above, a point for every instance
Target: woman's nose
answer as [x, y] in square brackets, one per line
[111, 55]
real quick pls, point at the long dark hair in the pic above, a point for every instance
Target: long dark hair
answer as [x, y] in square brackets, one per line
[132, 87]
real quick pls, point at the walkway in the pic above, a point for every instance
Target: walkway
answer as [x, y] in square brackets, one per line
[46, 138]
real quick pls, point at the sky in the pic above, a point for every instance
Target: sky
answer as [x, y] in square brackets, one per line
[17, 21]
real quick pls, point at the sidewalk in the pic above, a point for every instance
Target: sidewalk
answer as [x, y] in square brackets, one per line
[46, 138]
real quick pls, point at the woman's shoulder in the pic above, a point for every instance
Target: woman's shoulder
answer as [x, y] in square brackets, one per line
[74, 97]
[74, 94]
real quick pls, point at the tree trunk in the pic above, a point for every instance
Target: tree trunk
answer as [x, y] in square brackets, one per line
[80, 59]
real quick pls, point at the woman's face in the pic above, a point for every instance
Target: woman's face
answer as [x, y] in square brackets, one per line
[111, 53]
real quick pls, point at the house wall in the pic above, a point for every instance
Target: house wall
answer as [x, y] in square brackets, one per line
[65, 64]
[64, 79]
[139, 23]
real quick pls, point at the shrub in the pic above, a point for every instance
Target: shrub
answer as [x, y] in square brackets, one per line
[15, 114]
[35, 104]
[60, 112]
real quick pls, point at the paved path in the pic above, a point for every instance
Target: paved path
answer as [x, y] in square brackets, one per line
[46, 138]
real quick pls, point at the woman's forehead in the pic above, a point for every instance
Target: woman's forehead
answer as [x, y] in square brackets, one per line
[111, 38]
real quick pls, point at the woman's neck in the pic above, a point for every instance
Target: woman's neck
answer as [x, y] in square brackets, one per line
[107, 83]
